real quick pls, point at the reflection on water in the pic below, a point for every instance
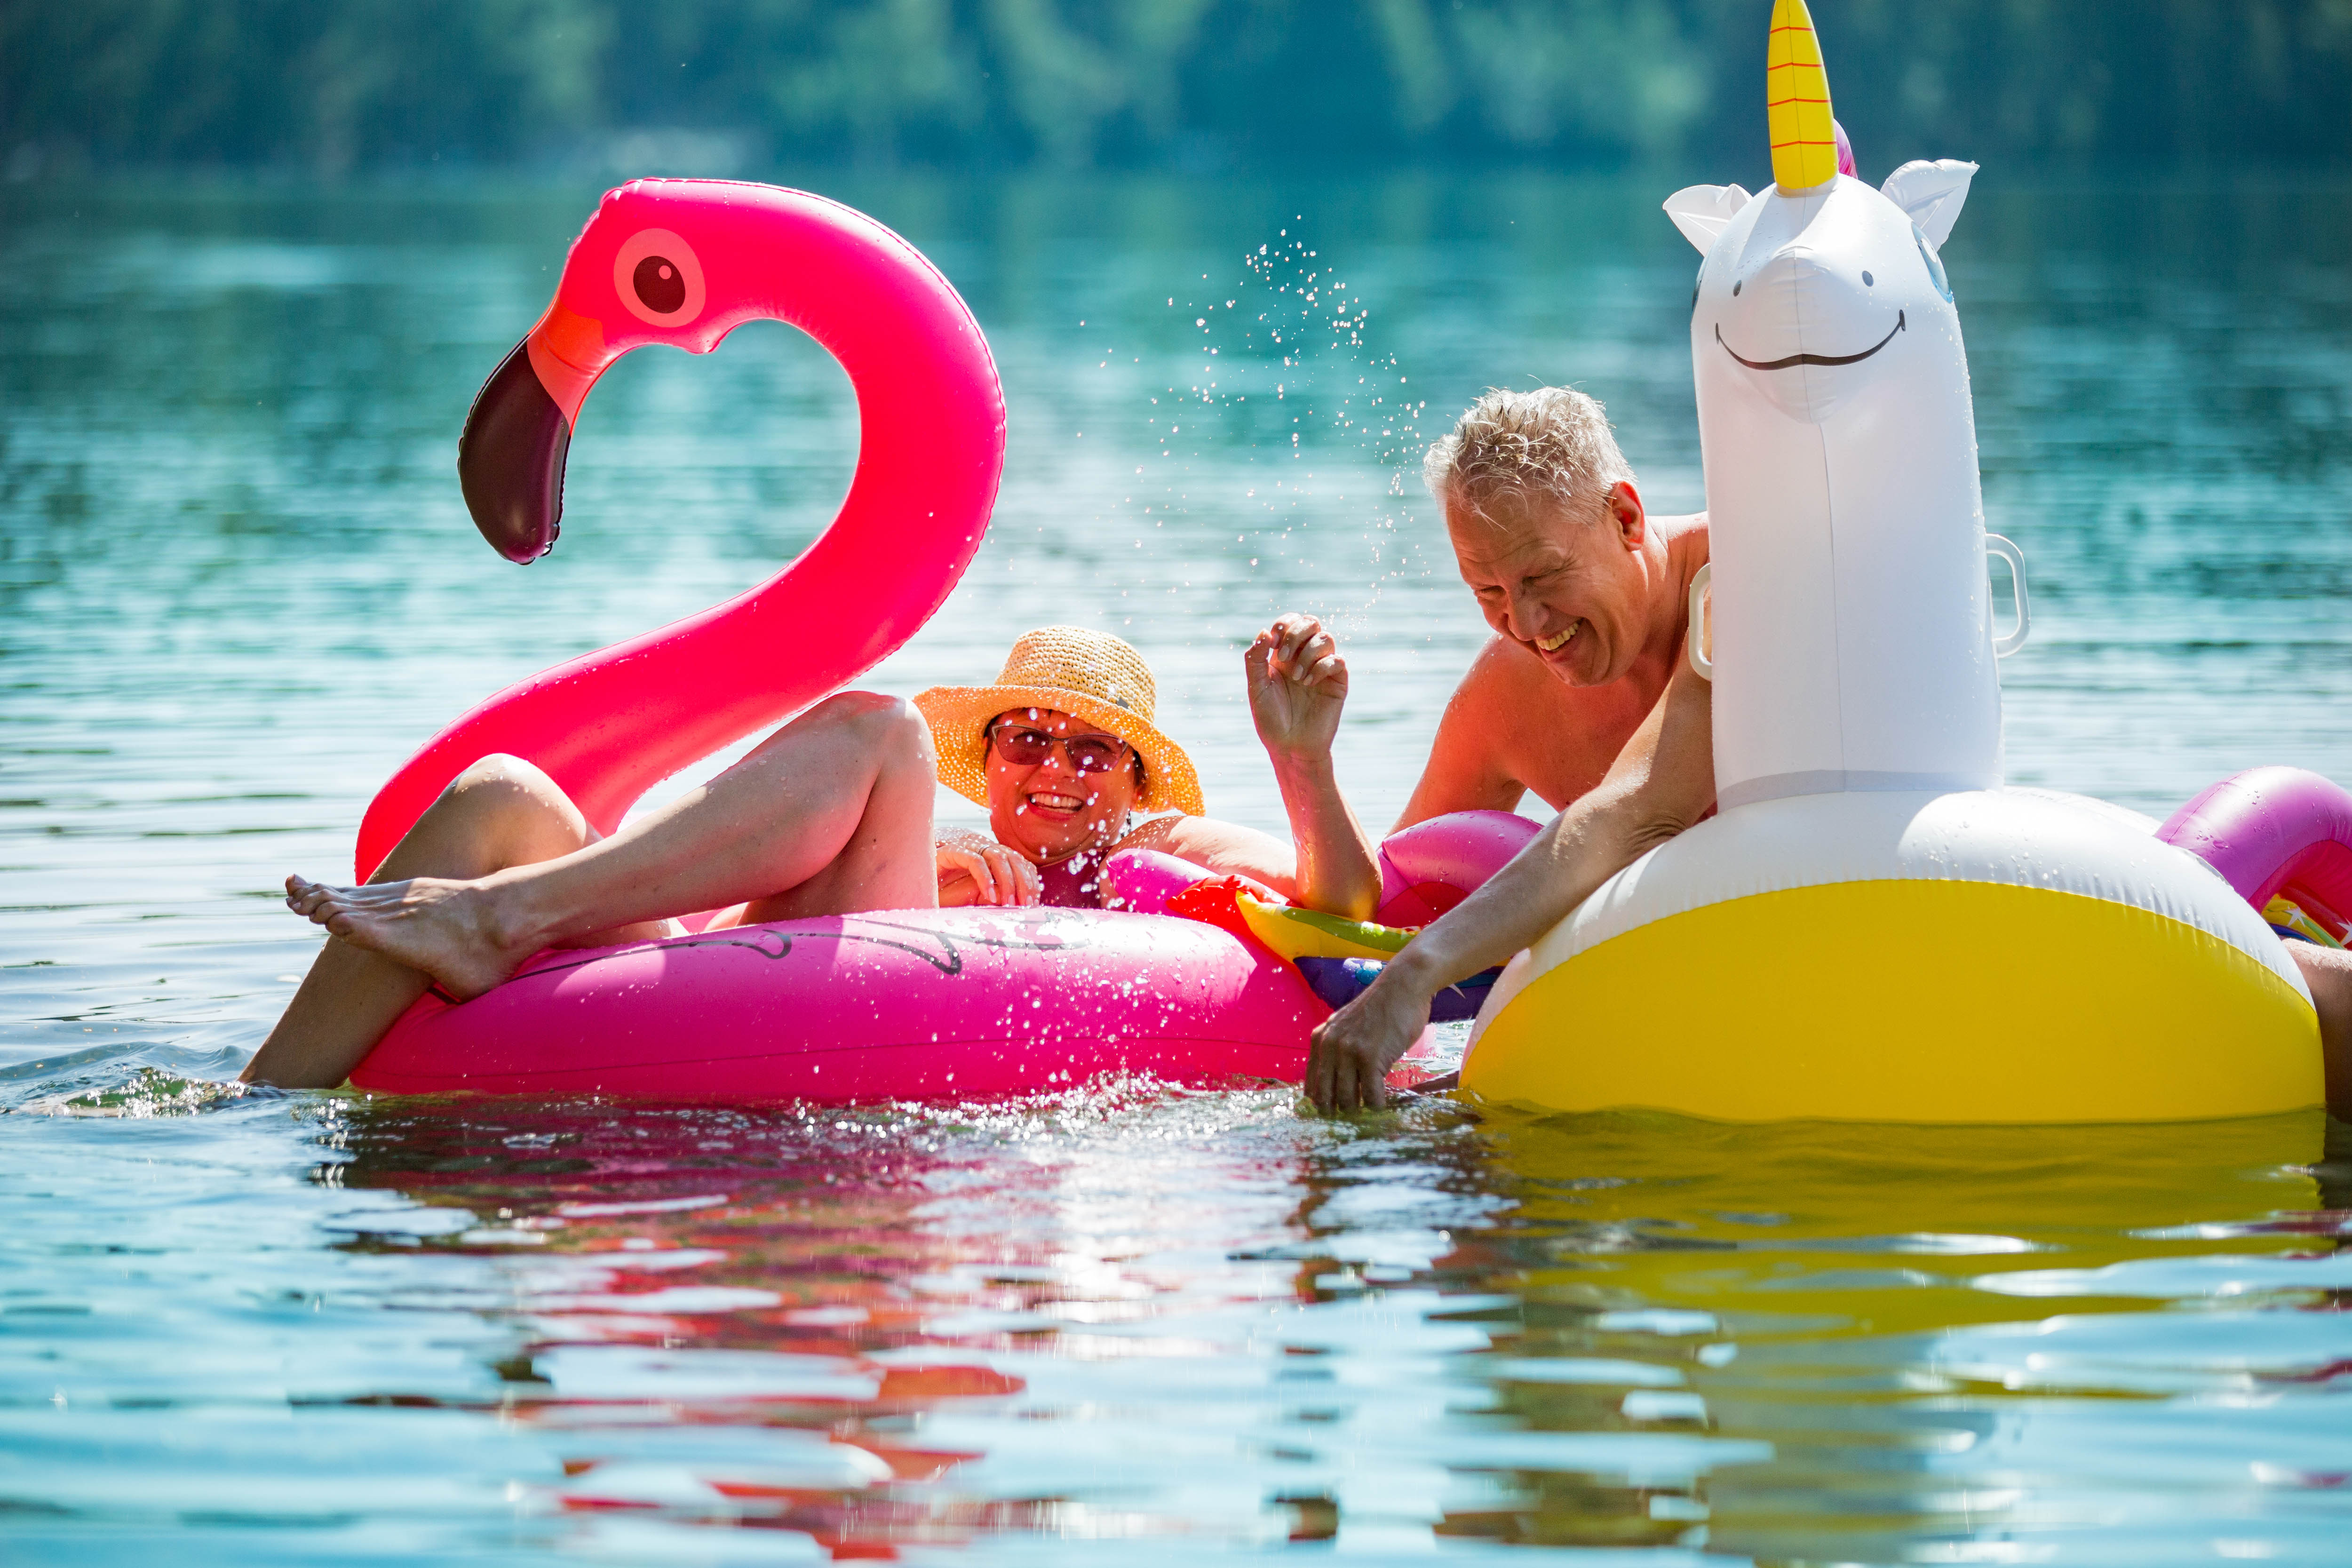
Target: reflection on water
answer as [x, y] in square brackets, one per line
[236, 585]
[1181, 1321]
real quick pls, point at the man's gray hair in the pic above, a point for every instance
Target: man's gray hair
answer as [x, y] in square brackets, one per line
[1513, 448]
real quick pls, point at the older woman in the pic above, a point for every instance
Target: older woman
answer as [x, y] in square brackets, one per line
[1063, 752]
[831, 815]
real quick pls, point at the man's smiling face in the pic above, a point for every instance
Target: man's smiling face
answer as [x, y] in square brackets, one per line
[1570, 590]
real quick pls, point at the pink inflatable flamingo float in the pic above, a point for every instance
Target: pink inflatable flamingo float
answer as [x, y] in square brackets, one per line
[685, 262]
[882, 1006]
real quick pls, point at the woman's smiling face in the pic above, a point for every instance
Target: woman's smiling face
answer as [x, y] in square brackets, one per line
[1049, 810]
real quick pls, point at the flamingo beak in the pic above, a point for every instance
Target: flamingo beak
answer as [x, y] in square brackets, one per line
[510, 460]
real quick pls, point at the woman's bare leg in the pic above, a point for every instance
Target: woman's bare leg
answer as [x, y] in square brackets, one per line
[830, 815]
[500, 812]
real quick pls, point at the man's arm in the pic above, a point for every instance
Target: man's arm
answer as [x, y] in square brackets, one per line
[1662, 782]
[1466, 770]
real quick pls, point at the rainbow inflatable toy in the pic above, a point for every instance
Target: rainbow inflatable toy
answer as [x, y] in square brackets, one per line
[1873, 928]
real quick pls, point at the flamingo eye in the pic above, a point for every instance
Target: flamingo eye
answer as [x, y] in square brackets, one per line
[658, 285]
[658, 277]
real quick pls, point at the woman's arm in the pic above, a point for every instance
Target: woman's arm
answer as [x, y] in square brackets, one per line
[1222, 849]
[1297, 686]
[1662, 782]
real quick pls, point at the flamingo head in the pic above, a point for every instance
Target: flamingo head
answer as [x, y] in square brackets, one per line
[635, 276]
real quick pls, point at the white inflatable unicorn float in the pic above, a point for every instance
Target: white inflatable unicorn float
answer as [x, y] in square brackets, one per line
[1873, 928]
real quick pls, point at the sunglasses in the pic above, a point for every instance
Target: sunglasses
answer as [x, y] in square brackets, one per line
[1025, 747]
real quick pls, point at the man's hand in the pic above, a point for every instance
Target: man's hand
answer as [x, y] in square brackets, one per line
[1297, 685]
[1349, 1056]
[974, 869]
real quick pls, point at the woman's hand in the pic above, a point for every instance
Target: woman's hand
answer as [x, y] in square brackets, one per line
[976, 870]
[1297, 685]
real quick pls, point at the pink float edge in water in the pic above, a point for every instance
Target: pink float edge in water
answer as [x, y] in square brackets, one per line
[916, 1004]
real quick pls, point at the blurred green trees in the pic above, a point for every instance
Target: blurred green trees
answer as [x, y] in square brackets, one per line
[751, 84]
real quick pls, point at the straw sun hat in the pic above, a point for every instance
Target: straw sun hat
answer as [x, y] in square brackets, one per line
[1069, 670]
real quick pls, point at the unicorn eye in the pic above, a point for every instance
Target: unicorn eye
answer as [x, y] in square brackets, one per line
[1935, 265]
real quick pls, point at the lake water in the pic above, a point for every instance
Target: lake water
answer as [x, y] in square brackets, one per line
[238, 585]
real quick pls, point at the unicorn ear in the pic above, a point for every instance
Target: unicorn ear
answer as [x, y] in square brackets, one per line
[1703, 212]
[1932, 194]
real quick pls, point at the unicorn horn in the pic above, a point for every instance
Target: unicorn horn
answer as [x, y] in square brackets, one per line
[1797, 99]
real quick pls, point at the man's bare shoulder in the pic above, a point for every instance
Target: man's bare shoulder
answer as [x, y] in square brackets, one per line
[1512, 726]
[1686, 542]
[1504, 679]
[1506, 685]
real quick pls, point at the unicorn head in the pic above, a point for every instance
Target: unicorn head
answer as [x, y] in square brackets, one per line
[1846, 526]
[1806, 286]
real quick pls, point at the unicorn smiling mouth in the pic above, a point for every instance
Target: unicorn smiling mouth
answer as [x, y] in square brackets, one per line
[1810, 359]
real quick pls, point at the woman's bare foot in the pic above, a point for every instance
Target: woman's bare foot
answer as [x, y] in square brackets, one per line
[450, 931]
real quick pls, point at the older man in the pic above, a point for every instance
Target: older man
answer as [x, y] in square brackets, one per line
[1546, 588]
[1587, 593]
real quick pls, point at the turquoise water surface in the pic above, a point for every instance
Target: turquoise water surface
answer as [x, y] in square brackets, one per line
[1125, 1324]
